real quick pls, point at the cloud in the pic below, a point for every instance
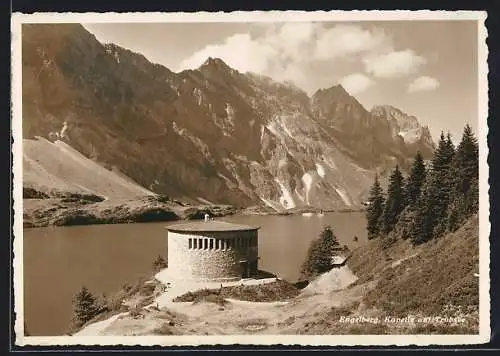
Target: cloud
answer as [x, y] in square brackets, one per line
[393, 64]
[423, 83]
[238, 51]
[356, 83]
[293, 51]
[344, 40]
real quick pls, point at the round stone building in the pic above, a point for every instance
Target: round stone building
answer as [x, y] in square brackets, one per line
[212, 251]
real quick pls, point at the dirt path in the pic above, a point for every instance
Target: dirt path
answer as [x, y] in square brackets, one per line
[237, 317]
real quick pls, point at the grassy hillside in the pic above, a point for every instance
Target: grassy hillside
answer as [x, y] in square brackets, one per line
[434, 279]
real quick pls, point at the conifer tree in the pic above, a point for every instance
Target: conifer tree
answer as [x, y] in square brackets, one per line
[415, 180]
[449, 194]
[432, 207]
[319, 254]
[375, 209]
[85, 306]
[466, 162]
[465, 194]
[440, 193]
[422, 225]
[394, 204]
[443, 155]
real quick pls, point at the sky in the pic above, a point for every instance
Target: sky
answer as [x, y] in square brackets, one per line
[425, 68]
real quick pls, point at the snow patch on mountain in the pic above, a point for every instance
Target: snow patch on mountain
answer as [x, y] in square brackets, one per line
[402, 124]
[262, 128]
[307, 179]
[329, 162]
[282, 122]
[62, 134]
[198, 95]
[225, 123]
[286, 198]
[343, 194]
[59, 134]
[282, 162]
[230, 184]
[270, 204]
[301, 197]
[229, 111]
[411, 136]
[320, 170]
[271, 127]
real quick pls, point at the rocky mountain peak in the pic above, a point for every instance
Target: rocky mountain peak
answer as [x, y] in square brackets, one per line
[215, 64]
[402, 124]
[336, 96]
[404, 120]
[334, 93]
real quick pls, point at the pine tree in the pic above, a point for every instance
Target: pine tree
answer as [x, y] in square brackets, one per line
[450, 193]
[422, 225]
[394, 204]
[85, 306]
[443, 155]
[432, 207]
[416, 180]
[440, 194]
[319, 254]
[375, 209]
[465, 194]
[466, 162]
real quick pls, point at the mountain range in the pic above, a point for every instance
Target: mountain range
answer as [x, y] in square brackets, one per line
[209, 135]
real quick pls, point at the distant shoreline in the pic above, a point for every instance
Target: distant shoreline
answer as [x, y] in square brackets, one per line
[77, 211]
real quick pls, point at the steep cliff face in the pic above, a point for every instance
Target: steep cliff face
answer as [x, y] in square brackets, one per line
[207, 134]
[407, 127]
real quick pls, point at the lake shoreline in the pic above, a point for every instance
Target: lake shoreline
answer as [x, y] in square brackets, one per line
[60, 212]
[45, 212]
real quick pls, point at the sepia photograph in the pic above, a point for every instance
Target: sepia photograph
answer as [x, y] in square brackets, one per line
[312, 178]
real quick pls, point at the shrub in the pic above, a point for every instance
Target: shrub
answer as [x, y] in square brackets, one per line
[334, 314]
[135, 312]
[145, 301]
[30, 193]
[269, 292]
[159, 263]
[147, 289]
[202, 295]
[164, 329]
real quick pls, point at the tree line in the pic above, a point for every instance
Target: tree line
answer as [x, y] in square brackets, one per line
[434, 199]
